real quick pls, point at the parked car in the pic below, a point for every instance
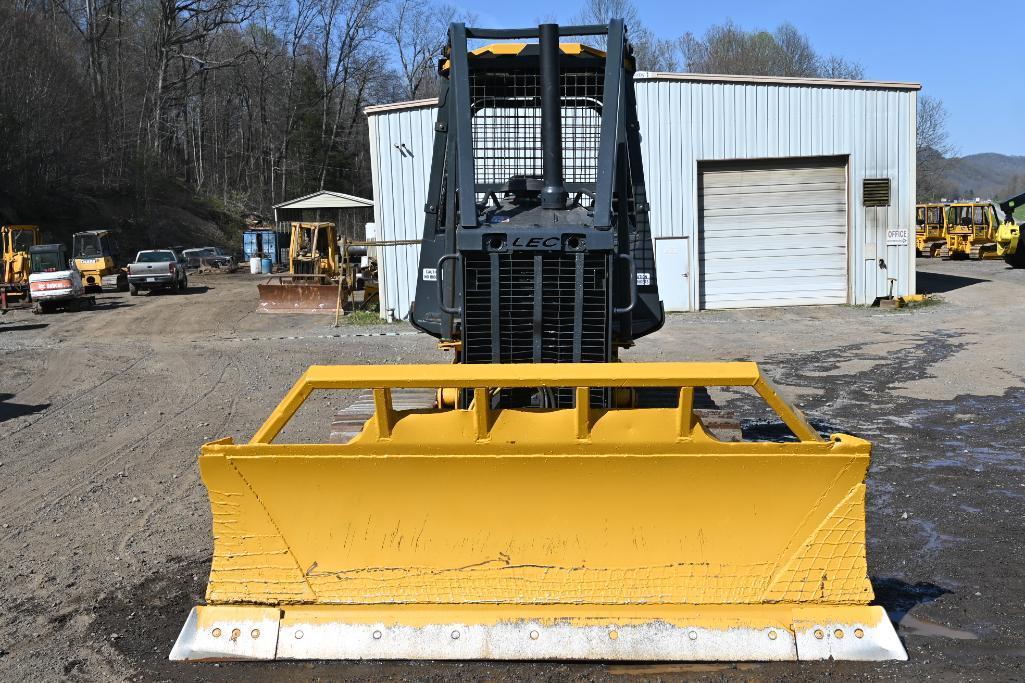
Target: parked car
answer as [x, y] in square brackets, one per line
[213, 257]
[157, 269]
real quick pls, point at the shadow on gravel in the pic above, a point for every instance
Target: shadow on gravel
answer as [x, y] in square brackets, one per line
[898, 597]
[938, 283]
[9, 411]
[110, 304]
[202, 289]
[23, 328]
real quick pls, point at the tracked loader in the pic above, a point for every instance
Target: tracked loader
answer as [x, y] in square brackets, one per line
[1009, 244]
[545, 506]
[930, 229]
[971, 231]
[98, 258]
[312, 283]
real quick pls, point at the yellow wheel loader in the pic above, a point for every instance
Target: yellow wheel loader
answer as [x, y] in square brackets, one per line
[547, 506]
[97, 257]
[1009, 233]
[312, 283]
[16, 240]
[930, 229]
[971, 231]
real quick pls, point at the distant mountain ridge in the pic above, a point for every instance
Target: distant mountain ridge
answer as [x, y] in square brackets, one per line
[988, 175]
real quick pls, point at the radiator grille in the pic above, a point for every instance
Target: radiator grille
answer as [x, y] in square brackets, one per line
[514, 340]
[507, 125]
[305, 266]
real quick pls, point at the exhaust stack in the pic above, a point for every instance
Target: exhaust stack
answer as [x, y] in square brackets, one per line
[553, 195]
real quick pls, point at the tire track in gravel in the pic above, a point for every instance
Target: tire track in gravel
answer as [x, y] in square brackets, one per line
[167, 500]
[91, 466]
[48, 412]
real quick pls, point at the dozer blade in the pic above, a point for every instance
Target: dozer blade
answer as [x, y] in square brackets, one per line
[290, 294]
[579, 533]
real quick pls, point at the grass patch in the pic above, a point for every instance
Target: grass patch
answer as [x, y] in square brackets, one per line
[361, 318]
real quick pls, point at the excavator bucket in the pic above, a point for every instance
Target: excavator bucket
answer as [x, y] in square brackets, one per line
[299, 294]
[540, 534]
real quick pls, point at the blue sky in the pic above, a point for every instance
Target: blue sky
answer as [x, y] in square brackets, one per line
[979, 75]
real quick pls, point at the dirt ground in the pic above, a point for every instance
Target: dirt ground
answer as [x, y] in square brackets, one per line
[105, 527]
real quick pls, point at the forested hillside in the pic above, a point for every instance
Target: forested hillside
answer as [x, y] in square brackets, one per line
[163, 116]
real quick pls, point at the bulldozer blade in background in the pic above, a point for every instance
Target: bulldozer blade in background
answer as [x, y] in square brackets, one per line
[298, 298]
[620, 534]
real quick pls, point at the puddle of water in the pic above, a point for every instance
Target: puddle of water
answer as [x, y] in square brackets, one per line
[934, 539]
[923, 627]
[657, 669]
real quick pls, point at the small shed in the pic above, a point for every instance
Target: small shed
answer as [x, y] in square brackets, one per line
[350, 214]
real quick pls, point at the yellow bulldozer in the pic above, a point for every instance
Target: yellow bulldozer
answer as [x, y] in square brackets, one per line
[16, 240]
[97, 257]
[552, 502]
[971, 231]
[312, 283]
[930, 229]
[1009, 244]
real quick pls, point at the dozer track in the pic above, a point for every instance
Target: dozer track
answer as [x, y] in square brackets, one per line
[568, 533]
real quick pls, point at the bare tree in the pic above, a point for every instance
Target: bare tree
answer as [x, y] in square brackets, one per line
[730, 49]
[418, 30]
[651, 52]
[932, 148]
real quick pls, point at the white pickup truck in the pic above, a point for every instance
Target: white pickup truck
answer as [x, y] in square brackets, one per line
[157, 269]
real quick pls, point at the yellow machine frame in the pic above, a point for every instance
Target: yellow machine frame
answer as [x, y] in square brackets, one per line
[312, 284]
[305, 256]
[17, 265]
[930, 229]
[971, 230]
[573, 533]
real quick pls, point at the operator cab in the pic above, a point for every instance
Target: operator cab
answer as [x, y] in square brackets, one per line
[49, 258]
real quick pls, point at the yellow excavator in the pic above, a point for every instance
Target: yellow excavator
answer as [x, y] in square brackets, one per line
[16, 240]
[930, 229]
[552, 502]
[312, 282]
[1009, 233]
[971, 230]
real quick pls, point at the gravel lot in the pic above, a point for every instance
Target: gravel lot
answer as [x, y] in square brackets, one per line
[105, 536]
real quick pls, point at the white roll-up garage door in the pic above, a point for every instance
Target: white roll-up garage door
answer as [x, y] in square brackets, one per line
[773, 233]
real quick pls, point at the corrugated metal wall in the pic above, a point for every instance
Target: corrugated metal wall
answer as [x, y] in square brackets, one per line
[401, 143]
[683, 123]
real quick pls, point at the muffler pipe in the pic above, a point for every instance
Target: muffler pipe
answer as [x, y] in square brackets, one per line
[553, 195]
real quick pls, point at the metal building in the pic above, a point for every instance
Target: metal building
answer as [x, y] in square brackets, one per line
[763, 191]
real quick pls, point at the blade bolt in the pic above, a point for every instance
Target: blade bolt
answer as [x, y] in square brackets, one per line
[377, 635]
[235, 633]
[819, 634]
[693, 635]
[773, 635]
[858, 633]
[613, 635]
[216, 633]
[255, 633]
[534, 635]
[838, 633]
[455, 635]
[298, 635]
